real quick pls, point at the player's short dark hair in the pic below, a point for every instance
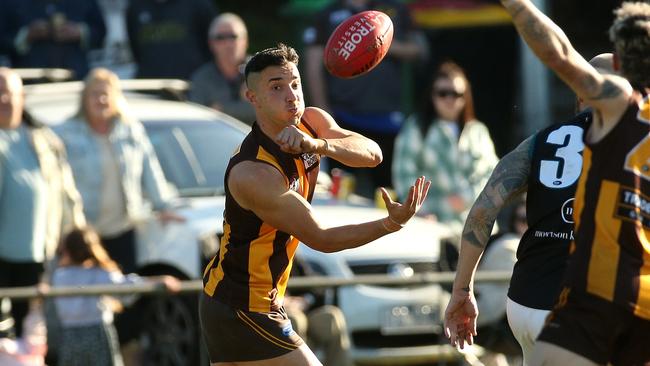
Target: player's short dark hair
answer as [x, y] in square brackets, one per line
[630, 33]
[275, 56]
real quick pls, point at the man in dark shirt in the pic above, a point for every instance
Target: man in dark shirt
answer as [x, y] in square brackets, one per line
[51, 33]
[167, 37]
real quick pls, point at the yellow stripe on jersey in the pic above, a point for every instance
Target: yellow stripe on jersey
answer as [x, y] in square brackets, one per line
[637, 160]
[291, 247]
[644, 110]
[302, 127]
[260, 275]
[264, 155]
[216, 274]
[605, 252]
[643, 302]
[579, 202]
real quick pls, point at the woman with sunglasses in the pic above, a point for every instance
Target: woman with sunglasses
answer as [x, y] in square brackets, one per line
[447, 143]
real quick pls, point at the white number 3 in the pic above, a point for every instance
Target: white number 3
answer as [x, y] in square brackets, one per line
[566, 170]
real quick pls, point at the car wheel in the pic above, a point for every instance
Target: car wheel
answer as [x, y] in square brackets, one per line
[171, 331]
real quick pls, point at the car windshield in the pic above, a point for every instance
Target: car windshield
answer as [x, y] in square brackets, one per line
[194, 155]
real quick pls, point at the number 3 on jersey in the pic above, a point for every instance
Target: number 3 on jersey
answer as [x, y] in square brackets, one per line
[566, 170]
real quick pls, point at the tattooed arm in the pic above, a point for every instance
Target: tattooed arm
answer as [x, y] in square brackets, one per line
[607, 94]
[508, 180]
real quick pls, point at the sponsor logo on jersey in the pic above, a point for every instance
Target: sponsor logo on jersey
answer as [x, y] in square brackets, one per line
[567, 211]
[554, 234]
[309, 159]
[632, 205]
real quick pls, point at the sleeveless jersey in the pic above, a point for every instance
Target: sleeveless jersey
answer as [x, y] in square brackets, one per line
[543, 251]
[611, 256]
[251, 269]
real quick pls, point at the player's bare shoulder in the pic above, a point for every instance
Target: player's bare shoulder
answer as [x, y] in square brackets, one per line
[244, 182]
[318, 118]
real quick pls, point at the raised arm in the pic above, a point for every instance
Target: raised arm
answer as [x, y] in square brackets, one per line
[348, 147]
[509, 179]
[605, 93]
[289, 212]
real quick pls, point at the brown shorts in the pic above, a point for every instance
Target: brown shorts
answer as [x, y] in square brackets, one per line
[597, 329]
[233, 335]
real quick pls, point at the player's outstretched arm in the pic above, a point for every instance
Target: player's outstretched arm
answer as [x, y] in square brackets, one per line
[289, 212]
[553, 48]
[508, 180]
[348, 147]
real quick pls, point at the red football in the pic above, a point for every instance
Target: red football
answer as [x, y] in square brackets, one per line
[358, 44]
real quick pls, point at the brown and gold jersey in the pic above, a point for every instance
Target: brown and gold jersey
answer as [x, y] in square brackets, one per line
[611, 256]
[251, 269]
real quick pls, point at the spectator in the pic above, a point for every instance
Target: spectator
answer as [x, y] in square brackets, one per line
[116, 53]
[38, 199]
[87, 334]
[114, 165]
[220, 83]
[448, 144]
[370, 104]
[167, 37]
[53, 33]
[104, 137]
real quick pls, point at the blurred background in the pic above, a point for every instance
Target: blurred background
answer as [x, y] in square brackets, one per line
[514, 96]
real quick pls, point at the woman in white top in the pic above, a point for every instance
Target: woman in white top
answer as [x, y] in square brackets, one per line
[114, 166]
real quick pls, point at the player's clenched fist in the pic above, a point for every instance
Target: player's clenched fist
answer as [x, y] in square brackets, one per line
[294, 141]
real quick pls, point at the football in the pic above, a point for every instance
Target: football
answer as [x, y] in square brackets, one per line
[358, 44]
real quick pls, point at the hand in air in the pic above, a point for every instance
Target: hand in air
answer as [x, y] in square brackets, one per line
[460, 318]
[294, 141]
[401, 213]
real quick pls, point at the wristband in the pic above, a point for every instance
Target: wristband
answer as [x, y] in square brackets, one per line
[387, 222]
[395, 222]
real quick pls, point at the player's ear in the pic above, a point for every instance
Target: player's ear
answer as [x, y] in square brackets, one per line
[250, 95]
[616, 62]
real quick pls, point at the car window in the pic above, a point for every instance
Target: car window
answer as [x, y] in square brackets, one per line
[194, 155]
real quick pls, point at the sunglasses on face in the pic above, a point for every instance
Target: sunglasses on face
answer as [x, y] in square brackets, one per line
[225, 37]
[446, 93]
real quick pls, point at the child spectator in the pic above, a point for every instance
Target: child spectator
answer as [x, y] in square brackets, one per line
[88, 335]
